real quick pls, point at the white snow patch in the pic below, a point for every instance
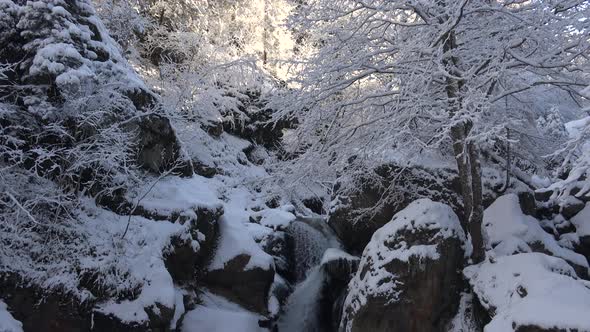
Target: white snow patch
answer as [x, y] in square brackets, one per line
[278, 218]
[576, 127]
[174, 194]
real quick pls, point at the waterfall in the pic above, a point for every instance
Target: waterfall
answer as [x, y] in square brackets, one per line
[311, 238]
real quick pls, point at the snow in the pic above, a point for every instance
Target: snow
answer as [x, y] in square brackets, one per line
[531, 289]
[332, 254]
[385, 247]
[7, 322]
[508, 230]
[139, 255]
[174, 194]
[576, 127]
[232, 228]
[582, 221]
[233, 243]
[420, 214]
[278, 218]
[217, 314]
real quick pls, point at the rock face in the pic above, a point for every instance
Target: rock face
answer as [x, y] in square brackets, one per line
[409, 274]
[355, 228]
[158, 147]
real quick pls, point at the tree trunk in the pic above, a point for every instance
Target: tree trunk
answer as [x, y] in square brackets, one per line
[468, 165]
[466, 156]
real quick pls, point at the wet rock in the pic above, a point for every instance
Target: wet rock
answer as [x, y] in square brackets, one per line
[409, 275]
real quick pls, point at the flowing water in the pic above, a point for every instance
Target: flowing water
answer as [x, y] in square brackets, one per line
[311, 238]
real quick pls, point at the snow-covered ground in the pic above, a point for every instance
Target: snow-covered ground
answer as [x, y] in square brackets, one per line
[7, 322]
[532, 289]
[217, 314]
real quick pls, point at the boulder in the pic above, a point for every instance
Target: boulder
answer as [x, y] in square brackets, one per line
[571, 206]
[382, 193]
[247, 286]
[185, 259]
[41, 311]
[409, 274]
[158, 148]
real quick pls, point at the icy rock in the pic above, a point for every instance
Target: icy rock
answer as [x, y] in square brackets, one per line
[408, 278]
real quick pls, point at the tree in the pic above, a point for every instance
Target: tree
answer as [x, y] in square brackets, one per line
[410, 74]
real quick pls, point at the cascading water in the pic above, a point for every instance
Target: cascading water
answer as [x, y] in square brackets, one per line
[311, 238]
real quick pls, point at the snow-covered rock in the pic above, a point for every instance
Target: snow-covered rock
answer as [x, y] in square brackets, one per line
[408, 278]
[531, 292]
[508, 231]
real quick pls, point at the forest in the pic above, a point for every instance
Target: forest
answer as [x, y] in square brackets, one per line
[295, 165]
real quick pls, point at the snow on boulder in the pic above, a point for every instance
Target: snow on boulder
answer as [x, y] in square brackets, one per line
[408, 278]
[508, 231]
[531, 292]
[277, 219]
[7, 322]
[240, 271]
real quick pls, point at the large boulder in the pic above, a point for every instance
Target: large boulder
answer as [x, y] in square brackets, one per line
[409, 275]
[382, 193]
[531, 292]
